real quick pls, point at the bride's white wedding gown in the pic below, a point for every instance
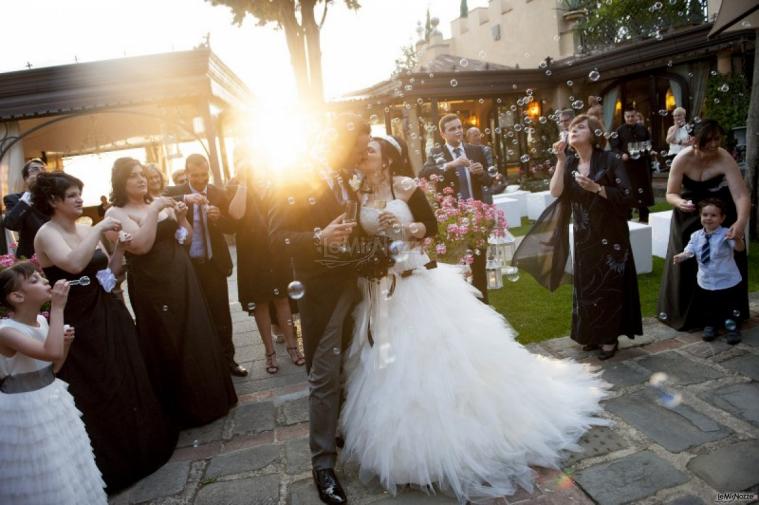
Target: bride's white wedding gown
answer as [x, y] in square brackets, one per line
[446, 397]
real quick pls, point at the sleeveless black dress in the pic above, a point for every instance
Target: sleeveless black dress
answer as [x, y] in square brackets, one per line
[176, 333]
[262, 273]
[130, 434]
[677, 302]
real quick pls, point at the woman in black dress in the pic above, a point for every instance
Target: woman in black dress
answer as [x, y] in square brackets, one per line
[262, 277]
[593, 186]
[176, 334]
[703, 170]
[131, 435]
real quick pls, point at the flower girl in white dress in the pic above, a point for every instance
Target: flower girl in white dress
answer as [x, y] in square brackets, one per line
[45, 453]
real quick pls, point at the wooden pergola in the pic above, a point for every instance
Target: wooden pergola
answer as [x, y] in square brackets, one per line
[155, 102]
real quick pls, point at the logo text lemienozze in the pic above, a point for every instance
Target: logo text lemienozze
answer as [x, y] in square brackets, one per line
[354, 252]
[726, 497]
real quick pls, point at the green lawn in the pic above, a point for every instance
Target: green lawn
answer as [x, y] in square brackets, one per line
[538, 314]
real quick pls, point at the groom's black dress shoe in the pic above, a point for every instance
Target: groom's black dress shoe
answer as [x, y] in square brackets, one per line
[329, 487]
[237, 370]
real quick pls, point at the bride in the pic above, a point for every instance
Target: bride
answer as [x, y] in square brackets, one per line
[439, 393]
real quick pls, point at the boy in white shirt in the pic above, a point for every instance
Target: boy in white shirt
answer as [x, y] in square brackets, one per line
[718, 275]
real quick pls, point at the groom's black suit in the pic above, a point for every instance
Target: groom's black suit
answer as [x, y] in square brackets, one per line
[331, 292]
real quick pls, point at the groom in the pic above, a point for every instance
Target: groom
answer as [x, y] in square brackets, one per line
[305, 222]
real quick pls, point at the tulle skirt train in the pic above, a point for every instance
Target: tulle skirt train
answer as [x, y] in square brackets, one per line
[446, 398]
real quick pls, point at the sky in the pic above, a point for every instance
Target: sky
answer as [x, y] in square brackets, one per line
[359, 47]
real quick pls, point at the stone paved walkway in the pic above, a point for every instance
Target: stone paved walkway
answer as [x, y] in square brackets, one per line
[682, 455]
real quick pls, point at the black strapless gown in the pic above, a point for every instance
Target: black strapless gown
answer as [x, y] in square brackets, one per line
[130, 433]
[176, 333]
[677, 302]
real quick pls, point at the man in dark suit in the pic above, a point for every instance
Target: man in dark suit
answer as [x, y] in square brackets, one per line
[306, 222]
[208, 207]
[461, 166]
[20, 214]
[638, 162]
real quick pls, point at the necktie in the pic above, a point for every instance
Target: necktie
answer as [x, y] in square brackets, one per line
[461, 173]
[705, 252]
[202, 213]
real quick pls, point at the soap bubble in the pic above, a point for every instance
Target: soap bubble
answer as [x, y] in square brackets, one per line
[524, 158]
[670, 399]
[658, 379]
[730, 325]
[464, 62]
[663, 112]
[511, 273]
[578, 104]
[570, 83]
[594, 75]
[296, 290]
[493, 171]
[454, 83]
[724, 88]
[663, 316]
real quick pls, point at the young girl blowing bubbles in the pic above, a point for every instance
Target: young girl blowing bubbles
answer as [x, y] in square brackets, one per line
[45, 453]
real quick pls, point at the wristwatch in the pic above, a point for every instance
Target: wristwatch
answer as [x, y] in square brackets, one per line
[317, 237]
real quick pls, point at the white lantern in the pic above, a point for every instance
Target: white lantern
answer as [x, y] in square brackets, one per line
[502, 248]
[494, 275]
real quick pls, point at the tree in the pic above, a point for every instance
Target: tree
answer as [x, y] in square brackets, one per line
[406, 62]
[298, 21]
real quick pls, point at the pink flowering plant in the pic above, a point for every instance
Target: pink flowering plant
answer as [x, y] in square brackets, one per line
[463, 226]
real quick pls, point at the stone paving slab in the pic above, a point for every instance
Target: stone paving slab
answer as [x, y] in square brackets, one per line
[687, 500]
[751, 337]
[707, 350]
[675, 429]
[741, 400]
[168, 480]
[747, 365]
[253, 491]
[679, 369]
[599, 441]
[623, 374]
[629, 478]
[731, 468]
[244, 460]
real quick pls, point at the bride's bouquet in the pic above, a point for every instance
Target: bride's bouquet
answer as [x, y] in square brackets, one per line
[463, 225]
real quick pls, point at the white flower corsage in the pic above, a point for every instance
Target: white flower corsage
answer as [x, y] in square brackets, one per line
[355, 182]
[106, 279]
[181, 235]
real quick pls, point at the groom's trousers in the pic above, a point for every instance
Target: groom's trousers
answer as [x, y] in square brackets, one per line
[324, 363]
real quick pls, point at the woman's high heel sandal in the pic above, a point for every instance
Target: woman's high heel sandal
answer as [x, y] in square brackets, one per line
[296, 357]
[603, 355]
[271, 364]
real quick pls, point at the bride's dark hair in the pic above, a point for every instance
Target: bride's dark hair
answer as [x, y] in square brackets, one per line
[398, 162]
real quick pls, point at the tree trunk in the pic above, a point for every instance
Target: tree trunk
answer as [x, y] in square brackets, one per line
[752, 144]
[296, 44]
[313, 51]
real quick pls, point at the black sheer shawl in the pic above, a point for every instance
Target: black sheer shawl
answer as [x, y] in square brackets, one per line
[543, 252]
